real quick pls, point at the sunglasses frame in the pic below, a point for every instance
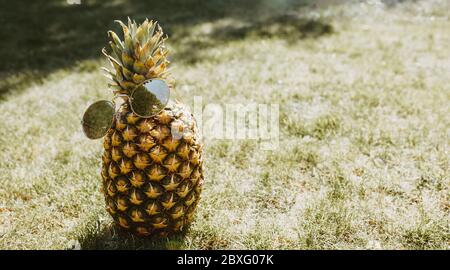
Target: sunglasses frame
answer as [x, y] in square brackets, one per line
[83, 122]
[130, 98]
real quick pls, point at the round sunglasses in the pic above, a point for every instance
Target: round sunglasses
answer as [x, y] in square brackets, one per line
[146, 100]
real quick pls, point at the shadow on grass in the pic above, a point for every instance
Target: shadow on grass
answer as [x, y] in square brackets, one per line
[112, 237]
[39, 37]
[291, 27]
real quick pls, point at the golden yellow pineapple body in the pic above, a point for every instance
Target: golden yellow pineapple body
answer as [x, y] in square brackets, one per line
[152, 170]
[152, 167]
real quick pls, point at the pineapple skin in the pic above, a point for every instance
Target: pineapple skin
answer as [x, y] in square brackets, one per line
[152, 170]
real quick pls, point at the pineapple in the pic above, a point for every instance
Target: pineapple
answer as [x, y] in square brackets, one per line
[152, 167]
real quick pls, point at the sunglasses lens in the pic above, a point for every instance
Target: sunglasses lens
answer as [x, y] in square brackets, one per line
[97, 119]
[150, 98]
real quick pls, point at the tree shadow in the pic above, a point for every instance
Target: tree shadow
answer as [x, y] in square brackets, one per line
[111, 237]
[42, 36]
[290, 27]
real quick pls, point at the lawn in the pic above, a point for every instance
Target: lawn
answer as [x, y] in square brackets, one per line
[363, 88]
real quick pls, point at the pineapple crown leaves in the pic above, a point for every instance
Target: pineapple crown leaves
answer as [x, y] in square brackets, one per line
[139, 56]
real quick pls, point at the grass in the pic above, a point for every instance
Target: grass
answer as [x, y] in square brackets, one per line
[364, 98]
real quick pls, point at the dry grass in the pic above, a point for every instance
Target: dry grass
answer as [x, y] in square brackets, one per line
[363, 160]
